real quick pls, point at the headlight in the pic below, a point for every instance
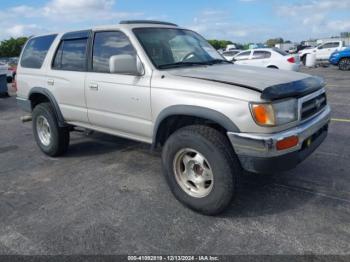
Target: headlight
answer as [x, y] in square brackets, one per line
[275, 114]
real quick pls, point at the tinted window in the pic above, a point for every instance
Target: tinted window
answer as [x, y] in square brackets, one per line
[71, 55]
[280, 51]
[107, 44]
[261, 54]
[35, 51]
[331, 45]
[243, 56]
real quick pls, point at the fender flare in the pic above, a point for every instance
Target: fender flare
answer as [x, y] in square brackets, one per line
[195, 111]
[51, 98]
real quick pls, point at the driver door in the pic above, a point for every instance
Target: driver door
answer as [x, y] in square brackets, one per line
[117, 103]
[243, 58]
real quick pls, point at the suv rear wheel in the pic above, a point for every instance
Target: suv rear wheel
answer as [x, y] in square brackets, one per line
[344, 64]
[52, 139]
[201, 168]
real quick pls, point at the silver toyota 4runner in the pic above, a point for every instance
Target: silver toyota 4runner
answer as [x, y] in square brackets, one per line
[164, 85]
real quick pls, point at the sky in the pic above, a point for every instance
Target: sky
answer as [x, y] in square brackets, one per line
[240, 21]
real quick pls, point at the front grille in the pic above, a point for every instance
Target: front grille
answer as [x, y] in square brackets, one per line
[313, 106]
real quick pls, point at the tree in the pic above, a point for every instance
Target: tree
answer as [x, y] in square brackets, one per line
[273, 41]
[219, 44]
[12, 47]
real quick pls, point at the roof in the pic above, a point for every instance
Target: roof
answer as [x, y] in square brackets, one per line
[146, 22]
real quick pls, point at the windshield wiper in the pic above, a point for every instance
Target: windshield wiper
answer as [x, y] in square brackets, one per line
[180, 64]
[218, 61]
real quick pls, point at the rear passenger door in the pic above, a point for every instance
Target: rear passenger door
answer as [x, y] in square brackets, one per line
[260, 58]
[117, 103]
[66, 78]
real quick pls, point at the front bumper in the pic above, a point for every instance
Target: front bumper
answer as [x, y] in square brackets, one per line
[334, 60]
[257, 152]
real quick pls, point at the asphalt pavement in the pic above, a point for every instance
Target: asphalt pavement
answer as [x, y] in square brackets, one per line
[107, 195]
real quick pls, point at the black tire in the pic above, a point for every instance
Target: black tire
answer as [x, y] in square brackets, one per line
[272, 67]
[344, 64]
[215, 147]
[4, 95]
[59, 141]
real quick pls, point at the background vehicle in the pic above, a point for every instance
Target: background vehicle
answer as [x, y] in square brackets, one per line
[302, 47]
[9, 69]
[322, 51]
[160, 84]
[268, 57]
[231, 47]
[3, 82]
[3, 69]
[341, 59]
[229, 55]
[285, 46]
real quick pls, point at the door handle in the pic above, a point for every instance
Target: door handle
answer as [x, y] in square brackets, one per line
[50, 82]
[94, 87]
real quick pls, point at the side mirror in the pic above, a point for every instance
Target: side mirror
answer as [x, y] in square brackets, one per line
[126, 64]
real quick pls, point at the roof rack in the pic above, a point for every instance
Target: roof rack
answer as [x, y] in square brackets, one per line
[146, 22]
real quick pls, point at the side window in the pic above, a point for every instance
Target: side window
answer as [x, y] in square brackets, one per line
[243, 56]
[71, 55]
[107, 44]
[330, 45]
[261, 54]
[35, 51]
[335, 44]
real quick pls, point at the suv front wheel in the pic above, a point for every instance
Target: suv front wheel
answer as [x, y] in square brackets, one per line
[344, 64]
[52, 139]
[201, 168]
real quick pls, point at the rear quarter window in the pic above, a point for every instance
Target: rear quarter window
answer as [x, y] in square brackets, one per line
[35, 51]
[280, 51]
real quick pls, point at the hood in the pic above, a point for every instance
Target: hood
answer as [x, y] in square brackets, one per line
[273, 84]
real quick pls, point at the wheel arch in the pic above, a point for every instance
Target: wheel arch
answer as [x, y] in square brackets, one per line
[182, 115]
[39, 95]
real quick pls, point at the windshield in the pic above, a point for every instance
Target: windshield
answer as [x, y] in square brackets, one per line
[172, 47]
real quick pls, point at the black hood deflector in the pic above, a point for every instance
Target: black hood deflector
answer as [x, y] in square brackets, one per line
[296, 89]
[293, 89]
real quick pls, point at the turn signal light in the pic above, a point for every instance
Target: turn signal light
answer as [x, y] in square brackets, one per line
[263, 114]
[286, 143]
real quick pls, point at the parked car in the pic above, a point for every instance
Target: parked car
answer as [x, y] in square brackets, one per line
[302, 47]
[3, 82]
[229, 55]
[268, 57]
[322, 51]
[3, 69]
[9, 70]
[285, 46]
[164, 85]
[341, 59]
